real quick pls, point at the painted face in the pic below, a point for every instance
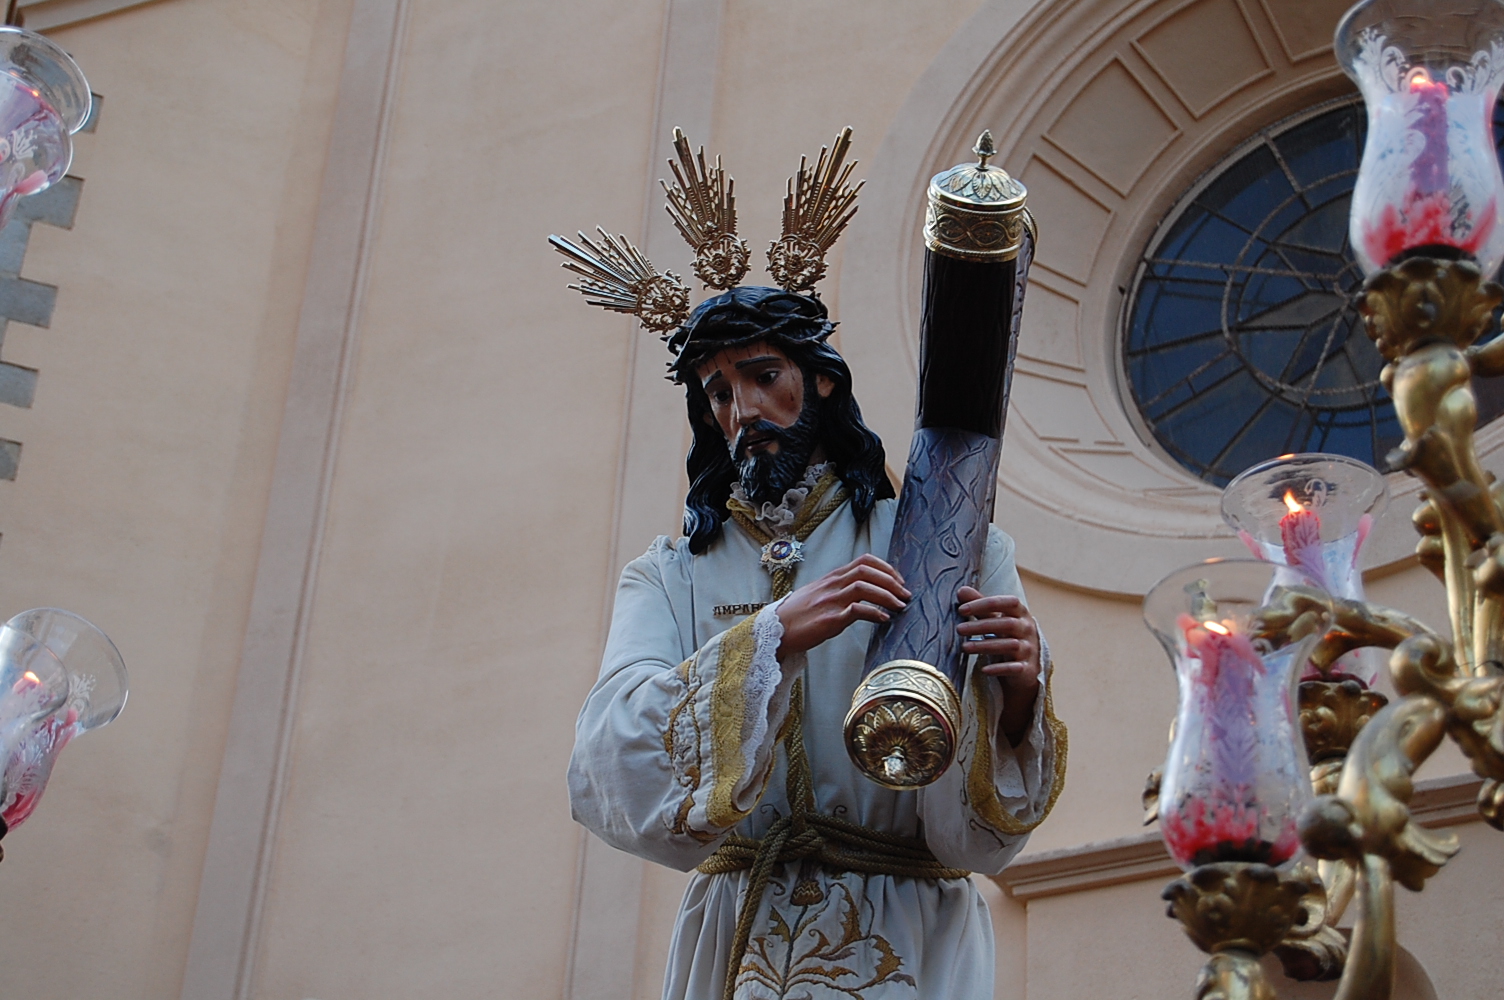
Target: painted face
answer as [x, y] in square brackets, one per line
[749, 385]
[760, 402]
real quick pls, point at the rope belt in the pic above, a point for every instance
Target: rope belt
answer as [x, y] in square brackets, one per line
[806, 836]
[836, 844]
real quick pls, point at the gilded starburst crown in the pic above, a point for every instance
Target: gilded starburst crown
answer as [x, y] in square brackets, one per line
[701, 199]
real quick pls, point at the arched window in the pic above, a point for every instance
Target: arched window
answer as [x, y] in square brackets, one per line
[1241, 339]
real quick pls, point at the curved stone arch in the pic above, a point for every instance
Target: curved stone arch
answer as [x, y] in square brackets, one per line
[1107, 112]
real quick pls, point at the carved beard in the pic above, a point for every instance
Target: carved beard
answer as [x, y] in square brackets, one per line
[767, 477]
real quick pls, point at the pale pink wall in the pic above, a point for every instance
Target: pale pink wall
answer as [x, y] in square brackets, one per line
[147, 455]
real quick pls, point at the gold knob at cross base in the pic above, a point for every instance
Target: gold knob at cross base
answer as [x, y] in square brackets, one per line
[901, 730]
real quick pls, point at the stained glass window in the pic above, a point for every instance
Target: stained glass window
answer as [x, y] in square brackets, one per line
[1241, 338]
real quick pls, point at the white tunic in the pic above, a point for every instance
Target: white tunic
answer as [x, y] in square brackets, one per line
[676, 747]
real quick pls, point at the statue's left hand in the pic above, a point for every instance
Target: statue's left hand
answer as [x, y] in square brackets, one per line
[1002, 631]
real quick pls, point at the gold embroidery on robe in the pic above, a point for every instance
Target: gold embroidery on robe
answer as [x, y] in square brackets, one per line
[683, 741]
[796, 954]
[980, 790]
[728, 715]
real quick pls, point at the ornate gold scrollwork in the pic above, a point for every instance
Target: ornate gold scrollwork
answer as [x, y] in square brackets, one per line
[1424, 315]
[1368, 824]
[1370, 814]
[1237, 911]
[1313, 949]
[976, 211]
[1332, 713]
[902, 726]
[1491, 803]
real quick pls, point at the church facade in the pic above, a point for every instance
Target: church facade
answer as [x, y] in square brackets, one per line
[316, 433]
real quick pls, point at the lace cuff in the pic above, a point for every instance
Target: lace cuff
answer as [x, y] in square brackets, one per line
[768, 685]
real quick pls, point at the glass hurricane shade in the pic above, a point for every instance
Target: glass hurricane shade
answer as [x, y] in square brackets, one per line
[1236, 776]
[1430, 72]
[33, 684]
[94, 690]
[1311, 513]
[44, 99]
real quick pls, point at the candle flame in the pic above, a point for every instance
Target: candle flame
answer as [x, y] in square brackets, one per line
[1292, 503]
[32, 677]
[1215, 627]
[1421, 80]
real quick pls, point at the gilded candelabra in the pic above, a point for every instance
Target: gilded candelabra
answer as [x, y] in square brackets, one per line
[1424, 228]
[1425, 315]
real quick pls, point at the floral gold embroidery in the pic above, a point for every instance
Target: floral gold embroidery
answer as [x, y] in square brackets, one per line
[682, 741]
[728, 712]
[797, 952]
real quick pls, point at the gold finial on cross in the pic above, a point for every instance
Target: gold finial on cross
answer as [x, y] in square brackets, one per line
[985, 148]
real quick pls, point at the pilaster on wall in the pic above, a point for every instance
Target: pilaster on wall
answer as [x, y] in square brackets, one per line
[226, 924]
[608, 894]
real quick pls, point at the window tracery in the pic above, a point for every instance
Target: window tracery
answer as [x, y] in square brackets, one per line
[1241, 340]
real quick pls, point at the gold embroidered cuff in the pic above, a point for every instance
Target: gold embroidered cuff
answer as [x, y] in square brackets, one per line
[980, 787]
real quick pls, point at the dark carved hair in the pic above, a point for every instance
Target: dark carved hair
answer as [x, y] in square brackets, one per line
[798, 326]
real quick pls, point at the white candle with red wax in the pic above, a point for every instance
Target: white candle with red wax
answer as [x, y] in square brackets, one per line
[1223, 819]
[1300, 533]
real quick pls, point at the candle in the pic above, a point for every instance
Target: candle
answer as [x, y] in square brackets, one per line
[1328, 566]
[1300, 534]
[1223, 819]
[1428, 172]
[1430, 213]
[28, 769]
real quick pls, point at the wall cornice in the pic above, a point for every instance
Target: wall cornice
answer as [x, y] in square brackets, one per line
[1438, 802]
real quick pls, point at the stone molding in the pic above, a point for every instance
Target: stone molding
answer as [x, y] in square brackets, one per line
[602, 959]
[221, 962]
[1439, 802]
[1091, 501]
[45, 15]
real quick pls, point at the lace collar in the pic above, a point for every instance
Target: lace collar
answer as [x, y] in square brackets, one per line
[779, 518]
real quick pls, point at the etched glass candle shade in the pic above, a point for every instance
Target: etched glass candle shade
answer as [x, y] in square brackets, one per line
[33, 684]
[1236, 776]
[97, 686]
[1311, 513]
[44, 99]
[1429, 180]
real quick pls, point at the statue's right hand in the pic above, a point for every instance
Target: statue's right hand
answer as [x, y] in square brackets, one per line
[865, 589]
